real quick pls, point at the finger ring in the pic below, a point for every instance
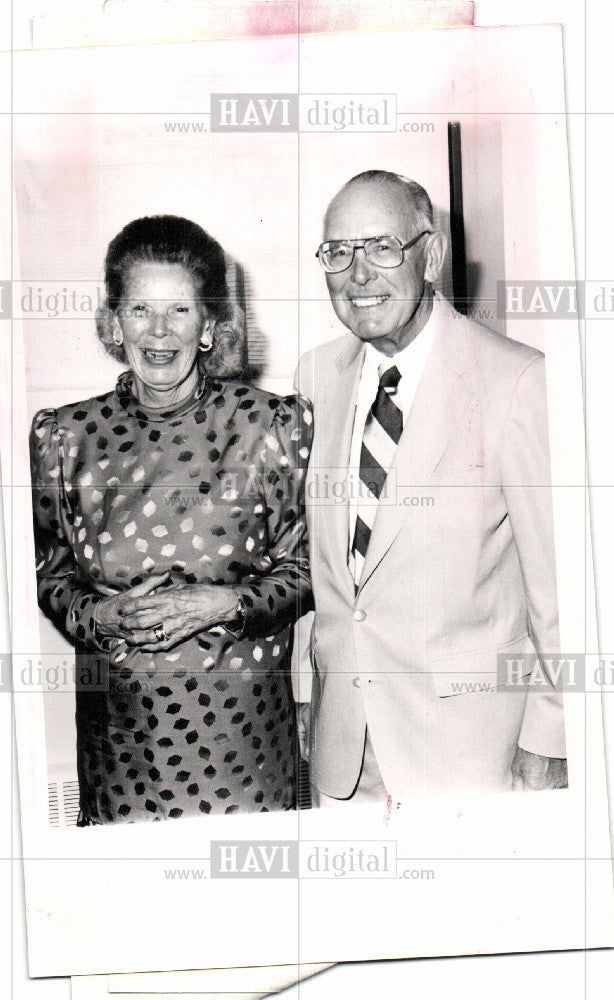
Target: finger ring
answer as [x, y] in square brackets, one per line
[160, 634]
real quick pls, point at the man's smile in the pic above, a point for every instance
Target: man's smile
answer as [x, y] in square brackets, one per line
[368, 301]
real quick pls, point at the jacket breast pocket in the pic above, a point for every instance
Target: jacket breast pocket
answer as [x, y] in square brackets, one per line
[482, 671]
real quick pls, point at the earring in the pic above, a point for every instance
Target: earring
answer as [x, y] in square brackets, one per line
[118, 337]
[206, 341]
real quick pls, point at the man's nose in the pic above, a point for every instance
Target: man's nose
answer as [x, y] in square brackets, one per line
[361, 269]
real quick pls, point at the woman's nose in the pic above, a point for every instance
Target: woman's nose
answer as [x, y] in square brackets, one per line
[159, 324]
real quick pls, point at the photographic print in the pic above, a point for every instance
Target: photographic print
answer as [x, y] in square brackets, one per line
[270, 572]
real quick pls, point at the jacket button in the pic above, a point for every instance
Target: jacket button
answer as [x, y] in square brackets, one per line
[360, 615]
[356, 682]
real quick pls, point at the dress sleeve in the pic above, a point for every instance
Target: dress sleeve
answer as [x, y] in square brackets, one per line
[65, 600]
[278, 598]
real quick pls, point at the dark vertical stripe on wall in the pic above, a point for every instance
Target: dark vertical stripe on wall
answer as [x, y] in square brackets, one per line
[457, 223]
[240, 287]
[242, 303]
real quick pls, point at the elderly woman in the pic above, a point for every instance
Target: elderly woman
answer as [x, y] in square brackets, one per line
[171, 548]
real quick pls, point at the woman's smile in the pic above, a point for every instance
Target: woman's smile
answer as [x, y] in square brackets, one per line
[157, 356]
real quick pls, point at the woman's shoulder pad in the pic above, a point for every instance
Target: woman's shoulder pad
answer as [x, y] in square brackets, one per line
[244, 391]
[77, 412]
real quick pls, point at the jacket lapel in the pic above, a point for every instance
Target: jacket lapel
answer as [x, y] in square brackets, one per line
[336, 409]
[441, 399]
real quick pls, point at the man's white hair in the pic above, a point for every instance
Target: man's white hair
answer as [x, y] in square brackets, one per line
[419, 204]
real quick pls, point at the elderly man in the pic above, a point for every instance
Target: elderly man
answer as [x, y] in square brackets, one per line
[441, 557]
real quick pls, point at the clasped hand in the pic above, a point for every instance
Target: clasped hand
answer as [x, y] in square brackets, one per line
[138, 615]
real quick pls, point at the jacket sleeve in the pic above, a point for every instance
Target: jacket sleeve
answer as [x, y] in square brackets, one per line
[526, 480]
[301, 664]
[65, 599]
[283, 593]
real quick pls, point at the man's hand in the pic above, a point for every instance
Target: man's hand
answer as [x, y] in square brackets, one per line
[533, 773]
[303, 723]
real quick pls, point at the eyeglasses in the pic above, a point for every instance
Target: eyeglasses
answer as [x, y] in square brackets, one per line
[383, 251]
[140, 312]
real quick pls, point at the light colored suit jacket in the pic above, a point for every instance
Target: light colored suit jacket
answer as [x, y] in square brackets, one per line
[460, 567]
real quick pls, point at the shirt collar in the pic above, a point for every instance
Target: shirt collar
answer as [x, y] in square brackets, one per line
[412, 356]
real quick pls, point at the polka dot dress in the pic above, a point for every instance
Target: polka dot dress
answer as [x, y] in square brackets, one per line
[211, 491]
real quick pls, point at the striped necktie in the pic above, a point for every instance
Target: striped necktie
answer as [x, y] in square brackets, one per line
[383, 428]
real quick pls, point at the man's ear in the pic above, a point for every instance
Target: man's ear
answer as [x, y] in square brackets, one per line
[434, 255]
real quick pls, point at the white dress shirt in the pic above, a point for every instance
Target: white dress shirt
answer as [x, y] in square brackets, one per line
[411, 362]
